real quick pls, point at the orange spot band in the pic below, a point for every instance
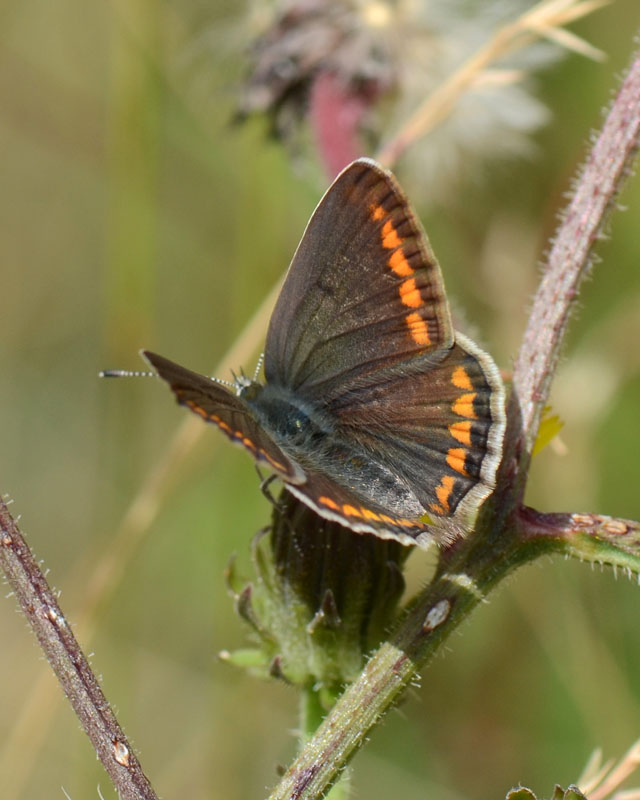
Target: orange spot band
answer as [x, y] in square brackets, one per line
[443, 491]
[390, 238]
[350, 511]
[456, 458]
[200, 411]
[461, 379]
[328, 502]
[461, 431]
[418, 329]
[463, 406]
[271, 460]
[399, 264]
[410, 294]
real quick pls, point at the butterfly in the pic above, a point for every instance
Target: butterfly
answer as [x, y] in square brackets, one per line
[374, 412]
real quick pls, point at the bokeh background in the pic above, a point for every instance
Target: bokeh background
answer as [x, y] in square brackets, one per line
[133, 214]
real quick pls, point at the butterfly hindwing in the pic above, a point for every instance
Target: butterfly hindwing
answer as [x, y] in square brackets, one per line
[343, 505]
[440, 427]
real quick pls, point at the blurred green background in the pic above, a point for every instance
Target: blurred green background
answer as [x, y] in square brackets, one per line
[132, 214]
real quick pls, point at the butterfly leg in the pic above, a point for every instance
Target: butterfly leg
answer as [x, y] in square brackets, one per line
[265, 486]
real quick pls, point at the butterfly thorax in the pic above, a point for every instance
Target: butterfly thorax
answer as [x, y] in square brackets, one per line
[317, 443]
[294, 424]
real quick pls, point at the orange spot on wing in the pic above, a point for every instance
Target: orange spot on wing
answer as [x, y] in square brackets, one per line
[377, 213]
[328, 502]
[418, 329]
[463, 406]
[390, 238]
[461, 379]
[456, 457]
[461, 431]
[201, 411]
[247, 442]
[399, 264]
[443, 491]
[387, 519]
[437, 509]
[368, 514]
[271, 460]
[350, 511]
[410, 294]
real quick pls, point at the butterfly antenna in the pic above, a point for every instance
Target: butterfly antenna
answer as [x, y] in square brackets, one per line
[125, 373]
[222, 382]
[258, 367]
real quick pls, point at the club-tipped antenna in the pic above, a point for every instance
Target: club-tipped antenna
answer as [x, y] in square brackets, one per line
[125, 373]
[229, 384]
[258, 367]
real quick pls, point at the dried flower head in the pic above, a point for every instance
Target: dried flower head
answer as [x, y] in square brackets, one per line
[358, 69]
[322, 599]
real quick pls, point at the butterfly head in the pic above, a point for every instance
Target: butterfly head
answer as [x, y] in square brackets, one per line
[245, 387]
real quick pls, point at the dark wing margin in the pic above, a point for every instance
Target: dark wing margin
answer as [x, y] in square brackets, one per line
[364, 289]
[215, 403]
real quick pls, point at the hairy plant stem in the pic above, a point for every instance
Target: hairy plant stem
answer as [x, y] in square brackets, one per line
[101, 571]
[311, 716]
[594, 194]
[69, 663]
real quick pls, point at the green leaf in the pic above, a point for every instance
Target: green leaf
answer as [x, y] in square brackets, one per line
[252, 659]
[550, 427]
[520, 793]
[573, 793]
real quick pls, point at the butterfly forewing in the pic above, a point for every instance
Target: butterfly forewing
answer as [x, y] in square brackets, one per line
[214, 403]
[364, 290]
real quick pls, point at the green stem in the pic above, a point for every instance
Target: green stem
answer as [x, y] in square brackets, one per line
[312, 713]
